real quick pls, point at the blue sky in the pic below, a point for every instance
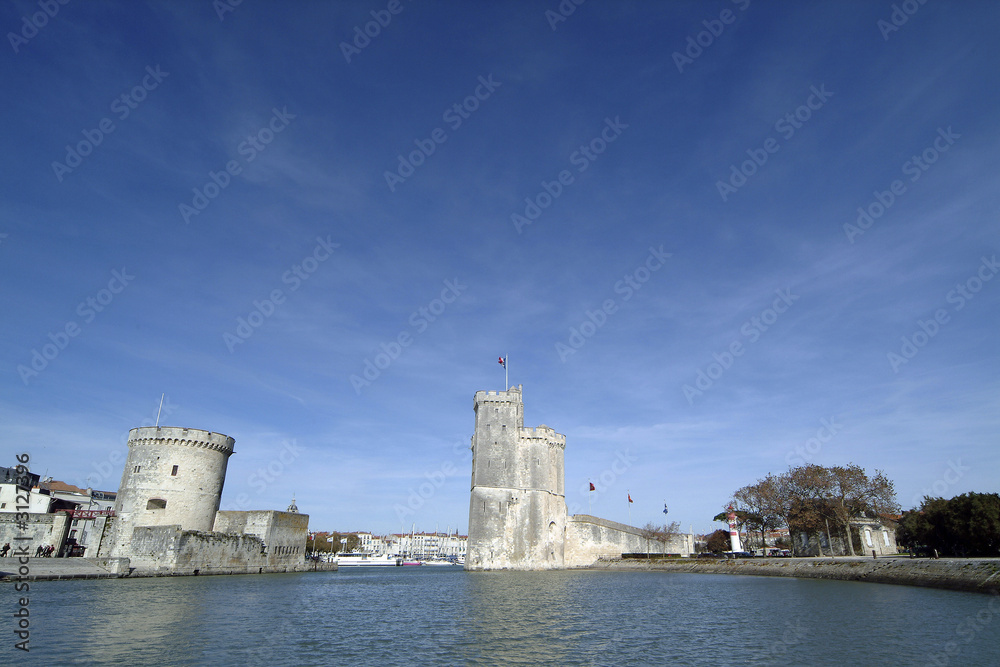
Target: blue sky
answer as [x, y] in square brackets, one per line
[248, 160]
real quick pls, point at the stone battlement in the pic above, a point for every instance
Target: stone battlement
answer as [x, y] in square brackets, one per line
[173, 435]
[543, 432]
[511, 395]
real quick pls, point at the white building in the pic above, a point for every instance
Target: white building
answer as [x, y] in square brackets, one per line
[426, 546]
[88, 508]
[38, 501]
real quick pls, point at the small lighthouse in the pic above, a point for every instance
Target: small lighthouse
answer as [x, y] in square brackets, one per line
[734, 535]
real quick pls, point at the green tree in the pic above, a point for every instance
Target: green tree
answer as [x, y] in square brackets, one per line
[914, 529]
[967, 525]
[324, 542]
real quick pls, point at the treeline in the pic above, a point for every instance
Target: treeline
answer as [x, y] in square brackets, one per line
[323, 542]
[967, 525]
[814, 498]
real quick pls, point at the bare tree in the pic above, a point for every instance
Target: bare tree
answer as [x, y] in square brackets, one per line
[649, 532]
[853, 494]
[810, 489]
[668, 532]
[757, 502]
[776, 501]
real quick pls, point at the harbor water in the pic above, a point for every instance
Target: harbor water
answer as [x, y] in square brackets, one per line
[443, 615]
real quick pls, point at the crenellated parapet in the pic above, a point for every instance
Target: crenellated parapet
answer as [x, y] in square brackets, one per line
[182, 437]
[544, 433]
[513, 395]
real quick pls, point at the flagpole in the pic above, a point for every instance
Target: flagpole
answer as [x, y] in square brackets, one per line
[158, 409]
[629, 495]
[506, 386]
[590, 494]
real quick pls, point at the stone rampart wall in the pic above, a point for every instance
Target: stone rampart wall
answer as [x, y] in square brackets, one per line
[210, 551]
[589, 538]
[283, 533]
[278, 546]
[42, 529]
[170, 550]
[286, 540]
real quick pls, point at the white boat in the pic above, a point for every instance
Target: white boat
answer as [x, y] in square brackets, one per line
[437, 561]
[365, 558]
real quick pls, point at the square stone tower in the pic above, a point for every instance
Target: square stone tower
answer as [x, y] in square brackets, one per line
[517, 511]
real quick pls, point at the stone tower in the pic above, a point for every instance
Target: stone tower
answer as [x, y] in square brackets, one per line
[517, 512]
[173, 476]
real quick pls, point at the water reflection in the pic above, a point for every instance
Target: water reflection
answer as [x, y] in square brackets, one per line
[520, 617]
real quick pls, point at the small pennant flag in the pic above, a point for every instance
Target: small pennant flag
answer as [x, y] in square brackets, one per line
[502, 362]
[629, 497]
[592, 487]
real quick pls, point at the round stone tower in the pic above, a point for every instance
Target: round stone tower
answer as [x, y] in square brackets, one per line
[173, 476]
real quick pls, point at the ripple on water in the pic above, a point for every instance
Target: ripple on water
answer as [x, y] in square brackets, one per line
[447, 616]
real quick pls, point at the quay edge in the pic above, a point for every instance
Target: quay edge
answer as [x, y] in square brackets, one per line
[58, 569]
[975, 575]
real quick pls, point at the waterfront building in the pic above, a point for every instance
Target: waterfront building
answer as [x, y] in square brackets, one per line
[427, 546]
[869, 534]
[87, 510]
[47, 522]
[368, 542]
[38, 501]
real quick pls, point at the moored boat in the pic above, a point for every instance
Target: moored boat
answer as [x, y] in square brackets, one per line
[366, 558]
[437, 561]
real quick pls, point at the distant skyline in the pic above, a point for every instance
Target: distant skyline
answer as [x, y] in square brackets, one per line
[716, 239]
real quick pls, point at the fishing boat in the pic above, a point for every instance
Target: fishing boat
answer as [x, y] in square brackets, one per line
[367, 559]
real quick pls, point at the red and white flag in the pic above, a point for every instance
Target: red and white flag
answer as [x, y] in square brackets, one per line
[502, 362]
[629, 497]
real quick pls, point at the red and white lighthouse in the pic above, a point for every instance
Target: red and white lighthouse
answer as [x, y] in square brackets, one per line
[734, 535]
